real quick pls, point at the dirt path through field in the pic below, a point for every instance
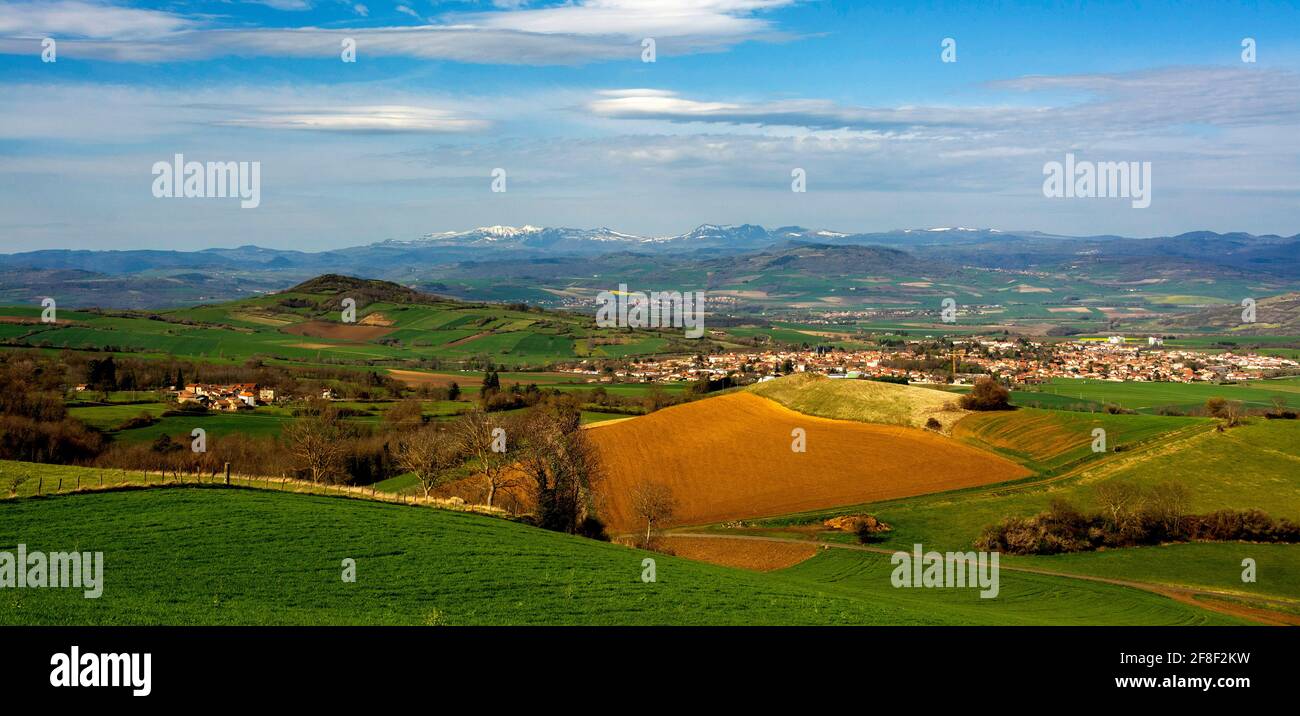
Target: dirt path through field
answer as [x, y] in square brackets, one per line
[1209, 599]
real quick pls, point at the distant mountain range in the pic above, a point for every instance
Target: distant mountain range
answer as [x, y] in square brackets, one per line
[601, 240]
[522, 263]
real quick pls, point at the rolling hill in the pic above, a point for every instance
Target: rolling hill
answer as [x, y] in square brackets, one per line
[394, 325]
[865, 401]
[1273, 315]
[222, 556]
[731, 457]
[1050, 440]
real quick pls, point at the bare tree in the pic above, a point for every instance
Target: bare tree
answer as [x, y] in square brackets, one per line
[431, 454]
[654, 503]
[488, 442]
[315, 441]
[405, 414]
[1119, 500]
[1169, 502]
[562, 464]
[1229, 411]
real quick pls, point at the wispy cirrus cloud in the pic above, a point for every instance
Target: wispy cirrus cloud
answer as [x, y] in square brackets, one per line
[376, 119]
[74, 18]
[809, 113]
[574, 33]
[129, 114]
[1094, 104]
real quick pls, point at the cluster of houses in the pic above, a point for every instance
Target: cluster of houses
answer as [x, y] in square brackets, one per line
[235, 396]
[1113, 359]
[230, 398]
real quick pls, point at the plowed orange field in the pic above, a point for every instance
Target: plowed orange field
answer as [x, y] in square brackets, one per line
[337, 331]
[730, 457]
[757, 555]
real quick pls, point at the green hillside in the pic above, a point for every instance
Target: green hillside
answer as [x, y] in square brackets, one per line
[1256, 466]
[232, 556]
[861, 400]
[1050, 440]
[394, 325]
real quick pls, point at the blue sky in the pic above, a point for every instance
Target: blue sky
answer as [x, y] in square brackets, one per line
[403, 141]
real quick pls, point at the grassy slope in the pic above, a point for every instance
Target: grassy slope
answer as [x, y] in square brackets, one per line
[1254, 466]
[249, 327]
[1148, 397]
[861, 400]
[221, 556]
[1050, 439]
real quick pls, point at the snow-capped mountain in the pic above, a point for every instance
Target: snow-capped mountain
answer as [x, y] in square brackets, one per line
[712, 237]
[564, 239]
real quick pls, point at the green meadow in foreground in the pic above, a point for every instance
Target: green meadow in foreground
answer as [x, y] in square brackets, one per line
[210, 555]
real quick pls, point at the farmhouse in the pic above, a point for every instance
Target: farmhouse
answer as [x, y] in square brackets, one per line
[233, 397]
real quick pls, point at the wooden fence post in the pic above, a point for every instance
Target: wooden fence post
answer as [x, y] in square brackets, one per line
[39, 482]
[227, 474]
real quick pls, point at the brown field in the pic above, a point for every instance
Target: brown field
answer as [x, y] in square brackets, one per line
[337, 331]
[264, 319]
[758, 555]
[417, 378]
[730, 457]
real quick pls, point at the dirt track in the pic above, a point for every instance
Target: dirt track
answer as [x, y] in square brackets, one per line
[1204, 598]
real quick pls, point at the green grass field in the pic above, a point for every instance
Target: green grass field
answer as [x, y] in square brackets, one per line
[1253, 466]
[231, 556]
[861, 400]
[1048, 440]
[1148, 397]
[1215, 566]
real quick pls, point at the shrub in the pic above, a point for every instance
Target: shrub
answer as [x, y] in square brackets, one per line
[592, 528]
[143, 420]
[1161, 519]
[988, 394]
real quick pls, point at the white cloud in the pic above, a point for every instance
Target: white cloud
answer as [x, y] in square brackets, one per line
[637, 18]
[290, 5]
[73, 18]
[384, 118]
[135, 114]
[579, 32]
[1122, 104]
[809, 113]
